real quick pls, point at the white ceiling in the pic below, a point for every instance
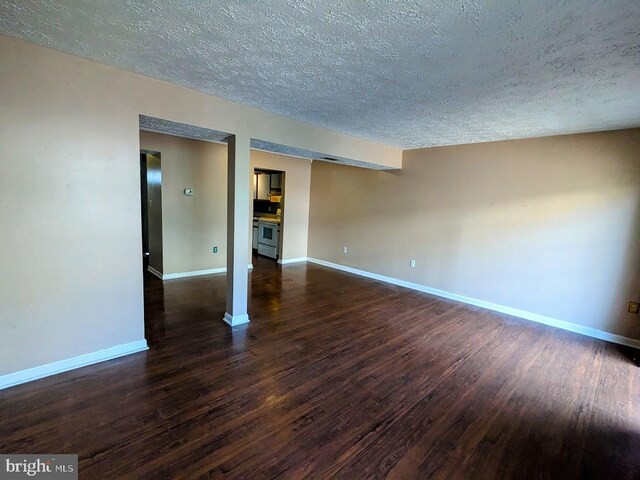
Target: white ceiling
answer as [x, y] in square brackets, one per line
[405, 73]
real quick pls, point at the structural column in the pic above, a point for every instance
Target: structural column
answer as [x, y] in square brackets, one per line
[238, 211]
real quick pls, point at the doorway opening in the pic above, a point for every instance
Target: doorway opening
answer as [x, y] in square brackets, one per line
[184, 170]
[151, 209]
[268, 213]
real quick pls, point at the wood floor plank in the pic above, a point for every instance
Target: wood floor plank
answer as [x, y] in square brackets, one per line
[336, 376]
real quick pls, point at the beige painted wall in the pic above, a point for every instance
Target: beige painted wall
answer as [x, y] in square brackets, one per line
[193, 225]
[295, 224]
[70, 194]
[548, 225]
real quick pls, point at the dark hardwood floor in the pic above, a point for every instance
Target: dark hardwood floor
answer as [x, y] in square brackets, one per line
[336, 377]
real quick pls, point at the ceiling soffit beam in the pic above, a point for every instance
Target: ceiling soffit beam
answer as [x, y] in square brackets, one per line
[158, 125]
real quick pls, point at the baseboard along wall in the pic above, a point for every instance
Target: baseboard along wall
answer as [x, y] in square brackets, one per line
[534, 317]
[41, 371]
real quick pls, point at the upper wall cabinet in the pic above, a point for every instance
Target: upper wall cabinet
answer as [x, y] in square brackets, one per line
[266, 183]
[264, 186]
[276, 181]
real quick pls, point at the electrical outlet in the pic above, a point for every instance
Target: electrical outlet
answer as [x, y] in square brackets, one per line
[634, 307]
[412, 263]
[345, 249]
[214, 249]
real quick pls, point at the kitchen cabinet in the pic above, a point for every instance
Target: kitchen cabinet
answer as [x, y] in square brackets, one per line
[276, 181]
[264, 186]
[266, 183]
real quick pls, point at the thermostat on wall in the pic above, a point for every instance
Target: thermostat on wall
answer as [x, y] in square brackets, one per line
[189, 191]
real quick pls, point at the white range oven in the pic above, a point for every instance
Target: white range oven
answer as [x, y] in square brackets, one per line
[268, 236]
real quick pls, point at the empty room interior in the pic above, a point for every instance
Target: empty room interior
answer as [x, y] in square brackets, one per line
[320, 239]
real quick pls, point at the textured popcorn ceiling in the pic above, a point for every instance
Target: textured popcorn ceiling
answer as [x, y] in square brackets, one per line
[406, 73]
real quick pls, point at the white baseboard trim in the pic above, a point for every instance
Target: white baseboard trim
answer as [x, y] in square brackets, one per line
[534, 317]
[287, 261]
[155, 272]
[35, 373]
[234, 320]
[196, 273]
